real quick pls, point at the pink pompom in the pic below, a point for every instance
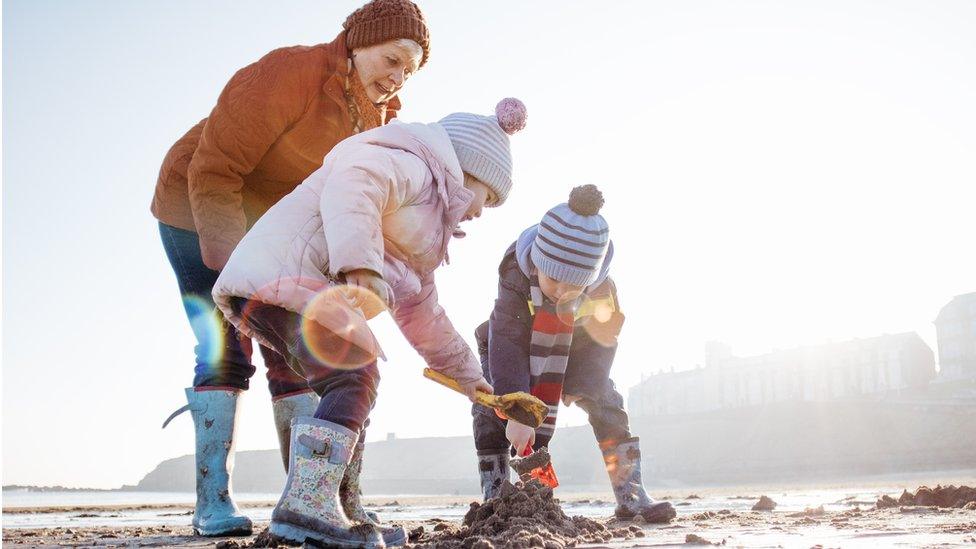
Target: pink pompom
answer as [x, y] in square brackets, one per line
[511, 115]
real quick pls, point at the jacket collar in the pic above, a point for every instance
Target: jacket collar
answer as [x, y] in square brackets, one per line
[337, 64]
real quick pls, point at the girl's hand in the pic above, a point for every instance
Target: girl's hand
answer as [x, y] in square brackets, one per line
[367, 280]
[519, 435]
[480, 384]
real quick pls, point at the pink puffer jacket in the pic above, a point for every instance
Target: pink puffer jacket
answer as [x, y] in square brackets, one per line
[387, 200]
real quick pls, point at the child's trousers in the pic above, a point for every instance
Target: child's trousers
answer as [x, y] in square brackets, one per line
[348, 394]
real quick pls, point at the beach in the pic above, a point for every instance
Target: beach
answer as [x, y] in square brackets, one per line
[825, 516]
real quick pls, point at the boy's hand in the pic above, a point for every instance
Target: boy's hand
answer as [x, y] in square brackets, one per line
[480, 384]
[519, 435]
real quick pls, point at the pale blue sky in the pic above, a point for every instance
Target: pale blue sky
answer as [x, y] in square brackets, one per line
[776, 173]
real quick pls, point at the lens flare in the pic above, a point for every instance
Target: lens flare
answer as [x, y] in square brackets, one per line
[208, 327]
[568, 305]
[602, 312]
[336, 333]
[368, 302]
[604, 324]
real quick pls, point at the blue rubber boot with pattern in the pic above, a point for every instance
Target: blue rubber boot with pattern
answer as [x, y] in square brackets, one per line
[214, 414]
[623, 461]
[493, 470]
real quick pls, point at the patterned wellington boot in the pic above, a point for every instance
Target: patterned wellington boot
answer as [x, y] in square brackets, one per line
[352, 506]
[287, 408]
[214, 414]
[623, 461]
[493, 469]
[309, 509]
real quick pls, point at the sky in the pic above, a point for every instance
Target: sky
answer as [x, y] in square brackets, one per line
[776, 173]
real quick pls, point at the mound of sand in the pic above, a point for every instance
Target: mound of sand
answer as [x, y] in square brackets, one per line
[764, 504]
[522, 516]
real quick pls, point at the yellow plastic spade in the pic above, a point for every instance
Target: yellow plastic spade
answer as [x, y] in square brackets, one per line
[522, 407]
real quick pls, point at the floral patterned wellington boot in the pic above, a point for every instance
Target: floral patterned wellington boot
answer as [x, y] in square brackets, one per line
[352, 506]
[286, 409]
[493, 470]
[623, 461]
[309, 509]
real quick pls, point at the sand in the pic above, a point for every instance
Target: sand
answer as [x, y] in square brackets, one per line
[522, 516]
[857, 525]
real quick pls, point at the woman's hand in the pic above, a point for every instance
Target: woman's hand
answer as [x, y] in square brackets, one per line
[368, 280]
[481, 384]
[521, 436]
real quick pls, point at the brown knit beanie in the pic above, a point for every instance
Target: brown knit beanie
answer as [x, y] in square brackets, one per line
[383, 20]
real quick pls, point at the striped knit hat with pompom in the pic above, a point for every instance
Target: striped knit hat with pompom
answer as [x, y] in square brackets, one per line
[482, 146]
[573, 239]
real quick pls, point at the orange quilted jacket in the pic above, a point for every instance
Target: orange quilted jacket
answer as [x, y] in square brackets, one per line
[272, 126]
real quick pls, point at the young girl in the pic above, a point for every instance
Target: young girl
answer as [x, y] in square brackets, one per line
[553, 332]
[364, 232]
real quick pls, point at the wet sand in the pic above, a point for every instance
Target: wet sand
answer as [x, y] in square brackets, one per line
[850, 522]
[914, 527]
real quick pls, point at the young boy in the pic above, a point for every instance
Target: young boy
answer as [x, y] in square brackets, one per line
[553, 333]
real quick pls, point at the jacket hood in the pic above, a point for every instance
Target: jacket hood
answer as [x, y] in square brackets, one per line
[431, 144]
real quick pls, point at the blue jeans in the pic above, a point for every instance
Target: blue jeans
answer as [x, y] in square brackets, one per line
[348, 394]
[222, 359]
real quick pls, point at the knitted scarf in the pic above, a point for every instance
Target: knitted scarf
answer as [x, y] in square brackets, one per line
[365, 114]
[552, 337]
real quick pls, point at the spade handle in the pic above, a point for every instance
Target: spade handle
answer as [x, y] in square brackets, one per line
[483, 398]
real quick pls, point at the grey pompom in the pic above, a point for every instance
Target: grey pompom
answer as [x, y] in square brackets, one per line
[586, 200]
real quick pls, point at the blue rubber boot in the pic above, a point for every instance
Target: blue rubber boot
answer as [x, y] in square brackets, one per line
[350, 495]
[214, 414]
[493, 470]
[623, 461]
[309, 509]
[285, 410]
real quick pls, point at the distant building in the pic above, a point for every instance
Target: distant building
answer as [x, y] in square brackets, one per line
[956, 331]
[876, 366]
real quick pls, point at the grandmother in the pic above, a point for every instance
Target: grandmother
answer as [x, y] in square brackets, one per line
[273, 124]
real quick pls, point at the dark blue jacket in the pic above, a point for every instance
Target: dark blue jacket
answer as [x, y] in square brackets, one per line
[504, 340]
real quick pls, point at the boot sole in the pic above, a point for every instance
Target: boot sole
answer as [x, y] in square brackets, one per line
[298, 534]
[230, 526]
[243, 530]
[661, 516]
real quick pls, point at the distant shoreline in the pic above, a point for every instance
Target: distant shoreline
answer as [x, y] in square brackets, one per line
[114, 508]
[370, 501]
[31, 488]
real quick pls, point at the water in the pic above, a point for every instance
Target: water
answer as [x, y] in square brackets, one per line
[170, 508]
[24, 498]
[99, 501]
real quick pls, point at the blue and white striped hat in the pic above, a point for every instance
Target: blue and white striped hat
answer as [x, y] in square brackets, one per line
[573, 239]
[482, 147]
